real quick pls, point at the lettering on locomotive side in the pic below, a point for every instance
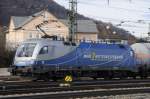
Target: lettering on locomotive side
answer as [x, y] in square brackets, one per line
[95, 57]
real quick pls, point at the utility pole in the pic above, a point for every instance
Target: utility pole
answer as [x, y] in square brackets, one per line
[72, 17]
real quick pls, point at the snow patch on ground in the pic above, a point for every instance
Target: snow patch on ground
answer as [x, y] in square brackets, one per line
[4, 72]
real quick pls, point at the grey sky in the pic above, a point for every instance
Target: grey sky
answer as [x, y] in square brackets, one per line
[117, 11]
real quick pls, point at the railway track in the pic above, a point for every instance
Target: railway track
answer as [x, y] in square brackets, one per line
[26, 90]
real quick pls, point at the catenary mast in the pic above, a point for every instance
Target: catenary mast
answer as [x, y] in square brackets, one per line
[72, 20]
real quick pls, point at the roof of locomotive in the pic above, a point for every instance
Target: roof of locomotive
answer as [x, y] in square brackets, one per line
[50, 40]
[46, 41]
[39, 40]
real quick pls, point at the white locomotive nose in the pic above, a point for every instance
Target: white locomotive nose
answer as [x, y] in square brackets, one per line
[24, 63]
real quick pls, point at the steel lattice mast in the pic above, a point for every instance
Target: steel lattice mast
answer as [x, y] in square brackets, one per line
[72, 17]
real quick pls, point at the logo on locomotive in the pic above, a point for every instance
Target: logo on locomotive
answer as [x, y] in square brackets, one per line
[94, 56]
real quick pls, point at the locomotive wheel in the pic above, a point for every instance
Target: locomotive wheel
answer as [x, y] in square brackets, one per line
[46, 79]
[134, 76]
[94, 78]
[45, 76]
[34, 80]
[108, 75]
[143, 72]
[35, 77]
[54, 79]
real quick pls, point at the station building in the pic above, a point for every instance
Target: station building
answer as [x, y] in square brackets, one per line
[25, 27]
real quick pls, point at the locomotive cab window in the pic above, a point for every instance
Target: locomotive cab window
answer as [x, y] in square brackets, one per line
[26, 50]
[44, 50]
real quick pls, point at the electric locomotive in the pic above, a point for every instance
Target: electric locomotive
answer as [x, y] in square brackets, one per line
[47, 58]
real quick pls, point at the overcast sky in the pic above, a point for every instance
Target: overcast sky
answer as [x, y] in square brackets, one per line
[129, 11]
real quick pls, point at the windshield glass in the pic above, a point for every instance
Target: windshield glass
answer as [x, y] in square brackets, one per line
[26, 50]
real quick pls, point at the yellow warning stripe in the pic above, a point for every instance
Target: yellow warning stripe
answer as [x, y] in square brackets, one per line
[68, 78]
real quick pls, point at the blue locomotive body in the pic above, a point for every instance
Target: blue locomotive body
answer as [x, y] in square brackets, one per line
[94, 56]
[42, 56]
